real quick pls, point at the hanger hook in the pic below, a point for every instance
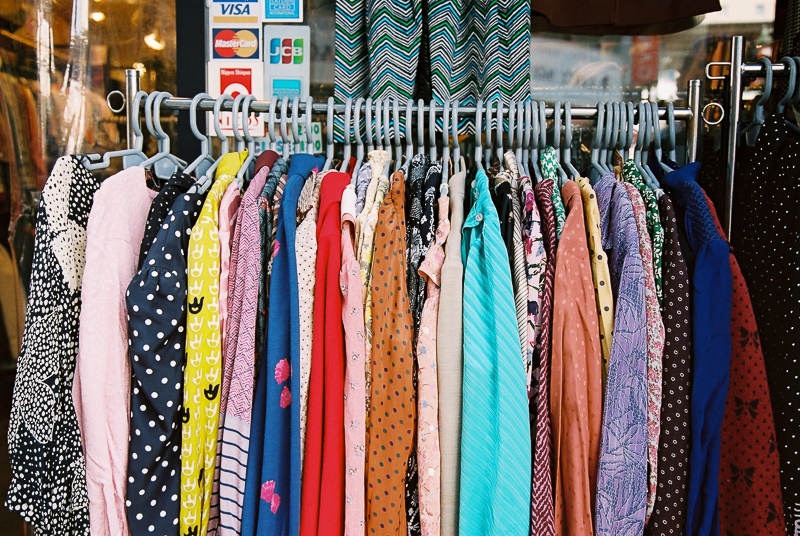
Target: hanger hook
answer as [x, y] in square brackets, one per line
[271, 123]
[148, 113]
[346, 132]
[478, 130]
[368, 124]
[432, 130]
[387, 123]
[309, 134]
[248, 100]
[218, 120]
[236, 119]
[420, 126]
[284, 127]
[193, 116]
[409, 129]
[792, 67]
[456, 142]
[296, 124]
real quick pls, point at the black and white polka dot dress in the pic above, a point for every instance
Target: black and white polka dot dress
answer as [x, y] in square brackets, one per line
[48, 472]
[766, 238]
[156, 305]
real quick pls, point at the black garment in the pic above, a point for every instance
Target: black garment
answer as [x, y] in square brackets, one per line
[419, 233]
[669, 513]
[48, 471]
[505, 212]
[156, 304]
[766, 238]
[175, 186]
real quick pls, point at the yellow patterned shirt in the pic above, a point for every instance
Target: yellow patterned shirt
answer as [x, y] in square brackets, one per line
[600, 273]
[201, 380]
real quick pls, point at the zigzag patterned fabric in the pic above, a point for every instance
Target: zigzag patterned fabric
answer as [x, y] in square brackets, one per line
[475, 50]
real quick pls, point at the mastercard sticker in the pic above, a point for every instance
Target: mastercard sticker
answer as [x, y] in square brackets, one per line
[233, 43]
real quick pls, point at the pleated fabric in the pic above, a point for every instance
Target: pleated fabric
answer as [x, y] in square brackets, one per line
[495, 431]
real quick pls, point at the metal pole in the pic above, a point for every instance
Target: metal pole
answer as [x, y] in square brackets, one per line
[131, 89]
[734, 107]
[695, 102]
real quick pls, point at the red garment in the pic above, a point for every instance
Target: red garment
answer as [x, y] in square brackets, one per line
[323, 465]
[750, 497]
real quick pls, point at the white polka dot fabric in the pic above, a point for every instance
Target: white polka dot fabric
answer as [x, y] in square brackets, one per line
[156, 304]
[48, 472]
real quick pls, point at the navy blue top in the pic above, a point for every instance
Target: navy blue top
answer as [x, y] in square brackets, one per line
[278, 509]
[711, 324]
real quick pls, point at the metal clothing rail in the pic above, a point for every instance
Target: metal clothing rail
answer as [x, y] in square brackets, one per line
[691, 114]
[738, 70]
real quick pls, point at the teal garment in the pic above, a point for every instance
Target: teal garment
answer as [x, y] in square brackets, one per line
[495, 487]
[549, 165]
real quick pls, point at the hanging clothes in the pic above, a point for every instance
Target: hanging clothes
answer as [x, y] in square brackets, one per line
[355, 413]
[159, 208]
[202, 375]
[749, 465]
[269, 203]
[279, 507]
[549, 163]
[306, 251]
[711, 317]
[622, 473]
[576, 382]
[324, 464]
[102, 383]
[541, 508]
[765, 240]
[494, 394]
[235, 421]
[600, 274]
[655, 345]
[154, 462]
[48, 471]
[392, 409]
[669, 511]
[535, 262]
[450, 362]
[428, 446]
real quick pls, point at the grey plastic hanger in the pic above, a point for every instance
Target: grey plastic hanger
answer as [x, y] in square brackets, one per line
[613, 139]
[597, 139]
[309, 102]
[671, 132]
[528, 140]
[751, 133]
[398, 150]
[387, 126]
[368, 125]
[608, 128]
[163, 164]
[295, 125]
[132, 156]
[420, 127]
[489, 149]
[245, 171]
[562, 175]
[409, 131]
[520, 135]
[347, 135]
[657, 139]
[630, 113]
[236, 122]
[536, 141]
[284, 127]
[573, 172]
[641, 138]
[204, 182]
[204, 161]
[378, 117]
[359, 140]
[432, 131]
[329, 134]
[456, 142]
[478, 133]
[273, 136]
[792, 67]
[445, 141]
[650, 178]
[500, 150]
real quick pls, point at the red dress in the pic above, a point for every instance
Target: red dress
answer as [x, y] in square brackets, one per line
[323, 465]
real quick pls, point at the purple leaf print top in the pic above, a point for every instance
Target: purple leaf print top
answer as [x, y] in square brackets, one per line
[622, 474]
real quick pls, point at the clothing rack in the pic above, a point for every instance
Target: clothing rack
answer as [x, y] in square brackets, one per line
[690, 114]
[738, 72]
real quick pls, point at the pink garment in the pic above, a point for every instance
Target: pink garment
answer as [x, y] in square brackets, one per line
[355, 395]
[228, 211]
[102, 385]
[239, 363]
[428, 451]
[655, 340]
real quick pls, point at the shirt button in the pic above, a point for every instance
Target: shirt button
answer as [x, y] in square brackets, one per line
[479, 217]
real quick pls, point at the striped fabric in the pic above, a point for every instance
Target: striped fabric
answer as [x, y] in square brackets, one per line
[542, 508]
[495, 467]
[518, 271]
